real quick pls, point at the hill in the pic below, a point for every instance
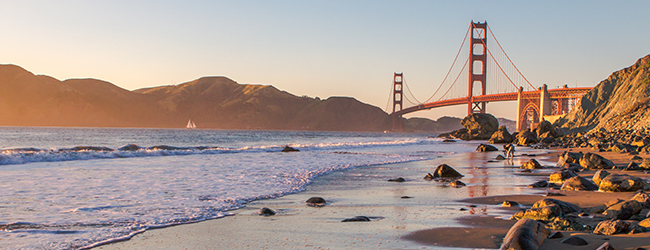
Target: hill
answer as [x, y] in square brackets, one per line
[211, 102]
[622, 101]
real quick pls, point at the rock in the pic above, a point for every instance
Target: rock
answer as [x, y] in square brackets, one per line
[486, 148]
[565, 224]
[560, 177]
[509, 203]
[621, 183]
[569, 157]
[546, 213]
[398, 179]
[632, 167]
[501, 136]
[606, 246]
[566, 207]
[265, 211]
[599, 175]
[643, 198]
[595, 161]
[556, 235]
[457, 184]
[575, 241]
[645, 164]
[578, 183]
[480, 126]
[357, 219]
[129, 147]
[500, 157]
[429, 177]
[448, 140]
[645, 223]
[572, 166]
[611, 227]
[531, 164]
[623, 210]
[525, 234]
[545, 127]
[526, 138]
[406, 197]
[446, 172]
[289, 149]
[554, 194]
[539, 184]
[636, 158]
[316, 202]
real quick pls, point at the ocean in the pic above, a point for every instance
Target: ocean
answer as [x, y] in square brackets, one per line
[75, 188]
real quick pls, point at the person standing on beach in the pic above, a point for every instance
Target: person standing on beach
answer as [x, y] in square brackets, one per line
[510, 151]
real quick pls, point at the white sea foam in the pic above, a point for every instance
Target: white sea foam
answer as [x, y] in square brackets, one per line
[78, 197]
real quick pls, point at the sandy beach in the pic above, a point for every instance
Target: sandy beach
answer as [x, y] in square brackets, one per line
[416, 214]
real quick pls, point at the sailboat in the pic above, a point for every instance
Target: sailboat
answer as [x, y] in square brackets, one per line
[190, 124]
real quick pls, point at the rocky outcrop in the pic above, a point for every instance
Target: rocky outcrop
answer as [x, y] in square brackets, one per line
[595, 161]
[622, 101]
[525, 234]
[477, 126]
[501, 136]
[621, 183]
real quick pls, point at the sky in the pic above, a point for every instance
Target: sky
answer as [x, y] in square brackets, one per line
[319, 48]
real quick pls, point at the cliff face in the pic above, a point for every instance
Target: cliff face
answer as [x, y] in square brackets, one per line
[622, 101]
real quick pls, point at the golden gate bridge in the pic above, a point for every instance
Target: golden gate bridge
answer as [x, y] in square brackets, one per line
[507, 83]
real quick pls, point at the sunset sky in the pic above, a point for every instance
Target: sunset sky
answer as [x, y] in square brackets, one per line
[318, 48]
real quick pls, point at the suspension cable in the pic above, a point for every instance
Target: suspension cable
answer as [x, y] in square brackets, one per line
[409, 90]
[452, 65]
[390, 96]
[455, 80]
[504, 52]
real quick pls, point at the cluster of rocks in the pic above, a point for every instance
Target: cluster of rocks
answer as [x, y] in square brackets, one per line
[602, 140]
[614, 217]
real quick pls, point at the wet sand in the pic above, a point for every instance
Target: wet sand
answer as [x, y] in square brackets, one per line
[434, 217]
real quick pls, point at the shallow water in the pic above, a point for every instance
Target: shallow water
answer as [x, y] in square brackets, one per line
[78, 187]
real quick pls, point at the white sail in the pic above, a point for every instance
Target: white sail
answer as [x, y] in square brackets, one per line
[190, 124]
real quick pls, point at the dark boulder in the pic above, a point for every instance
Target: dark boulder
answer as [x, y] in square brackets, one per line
[457, 184]
[500, 157]
[575, 241]
[486, 148]
[526, 138]
[444, 171]
[632, 167]
[578, 183]
[545, 127]
[539, 184]
[560, 177]
[316, 202]
[129, 147]
[357, 219]
[569, 157]
[611, 227]
[566, 207]
[643, 198]
[623, 210]
[480, 126]
[265, 211]
[501, 136]
[525, 234]
[398, 179]
[599, 175]
[289, 149]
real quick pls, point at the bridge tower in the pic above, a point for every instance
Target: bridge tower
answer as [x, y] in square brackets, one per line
[477, 73]
[398, 125]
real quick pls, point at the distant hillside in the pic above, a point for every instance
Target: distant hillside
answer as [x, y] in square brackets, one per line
[211, 102]
[622, 101]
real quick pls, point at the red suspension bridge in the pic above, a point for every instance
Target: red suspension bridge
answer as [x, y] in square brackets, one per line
[507, 83]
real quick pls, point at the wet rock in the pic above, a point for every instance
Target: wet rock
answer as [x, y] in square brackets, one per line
[500, 157]
[632, 167]
[398, 179]
[501, 136]
[621, 183]
[575, 241]
[611, 227]
[595, 161]
[525, 234]
[526, 138]
[578, 183]
[444, 171]
[599, 175]
[606, 246]
[406, 197]
[480, 126]
[448, 140]
[539, 184]
[316, 202]
[623, 210]
[531, 164]
[556, 235]
[429, 177]
[457, 184]
[572, 166]
[486, 148]
[265, 211]
[546, 128]
[636, 158]
[509, 204]
[560, 177]
[289, 149]
[555, 194]
[129, 147]
[357, 219]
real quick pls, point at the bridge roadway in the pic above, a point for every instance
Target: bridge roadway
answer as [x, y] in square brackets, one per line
[560, 93]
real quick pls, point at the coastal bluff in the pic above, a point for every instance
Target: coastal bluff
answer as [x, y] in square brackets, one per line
[27, 99]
